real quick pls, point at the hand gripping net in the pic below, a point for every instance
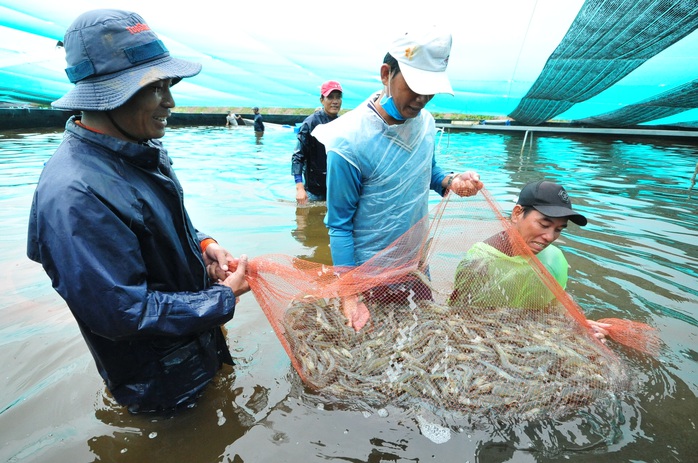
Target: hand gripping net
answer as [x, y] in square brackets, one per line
[445, 334]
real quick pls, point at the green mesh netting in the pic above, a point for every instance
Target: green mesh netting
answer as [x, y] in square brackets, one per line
[666, 104]
[607, 40]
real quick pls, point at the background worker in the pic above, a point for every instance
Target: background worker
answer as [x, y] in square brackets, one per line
[309, 159]
[258, 124]
[231, 120]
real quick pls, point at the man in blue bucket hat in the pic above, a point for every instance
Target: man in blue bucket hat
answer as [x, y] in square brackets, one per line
[108, 223]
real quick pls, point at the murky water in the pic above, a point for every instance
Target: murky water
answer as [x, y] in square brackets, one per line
[637, 259]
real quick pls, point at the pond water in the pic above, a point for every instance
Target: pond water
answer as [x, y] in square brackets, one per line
[637, 259]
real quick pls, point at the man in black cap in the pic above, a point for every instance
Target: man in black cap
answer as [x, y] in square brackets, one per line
[108, 223]
[498, 267]
[540, 215]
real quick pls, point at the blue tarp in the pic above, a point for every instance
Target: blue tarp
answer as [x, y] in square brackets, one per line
[505, 57]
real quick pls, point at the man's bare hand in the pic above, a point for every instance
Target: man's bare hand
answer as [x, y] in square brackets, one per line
[466, 184]
[236, 279]
[216, 259]
[600, 329]
[356, 312]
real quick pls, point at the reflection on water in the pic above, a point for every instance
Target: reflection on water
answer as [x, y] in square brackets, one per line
[311, 232]
[225, 410]
[637, 259]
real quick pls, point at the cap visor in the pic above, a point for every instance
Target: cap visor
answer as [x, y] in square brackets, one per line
[426, 82]
[557, 212]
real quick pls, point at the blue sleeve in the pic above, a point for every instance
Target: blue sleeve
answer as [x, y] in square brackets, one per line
[343, 189]
[437, 176]
[301, 151]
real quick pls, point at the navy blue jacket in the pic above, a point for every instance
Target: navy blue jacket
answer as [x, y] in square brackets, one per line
[309, 157]
[258, 123]
[109, 226]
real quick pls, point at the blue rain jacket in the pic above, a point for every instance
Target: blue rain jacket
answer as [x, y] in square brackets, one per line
[108, 225]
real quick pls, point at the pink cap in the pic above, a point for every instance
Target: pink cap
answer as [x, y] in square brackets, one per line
[329, 86]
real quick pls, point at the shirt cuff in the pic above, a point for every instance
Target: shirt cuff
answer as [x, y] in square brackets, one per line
[342, 249]
[205, 243]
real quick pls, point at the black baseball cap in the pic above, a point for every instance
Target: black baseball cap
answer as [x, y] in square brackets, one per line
[549, 199]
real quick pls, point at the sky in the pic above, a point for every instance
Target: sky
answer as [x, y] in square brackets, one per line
[277, 54]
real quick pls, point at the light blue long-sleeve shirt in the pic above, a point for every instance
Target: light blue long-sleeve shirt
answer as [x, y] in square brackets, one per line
[378, 177]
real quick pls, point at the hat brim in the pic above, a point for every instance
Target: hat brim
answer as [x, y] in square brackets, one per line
[425, 82]
[105, 93]
[330, 90]
[560, 212]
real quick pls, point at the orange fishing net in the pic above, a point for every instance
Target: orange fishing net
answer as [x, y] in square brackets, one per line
[464, 335]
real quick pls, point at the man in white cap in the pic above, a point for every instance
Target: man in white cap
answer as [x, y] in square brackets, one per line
[380, 158]
[108, 223]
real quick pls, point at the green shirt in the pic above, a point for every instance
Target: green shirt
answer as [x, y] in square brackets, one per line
[487, 277]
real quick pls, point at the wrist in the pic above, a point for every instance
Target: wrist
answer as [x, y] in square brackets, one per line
[206, 243]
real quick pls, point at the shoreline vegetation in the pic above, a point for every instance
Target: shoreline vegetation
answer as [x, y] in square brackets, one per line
[308, 111]
[271, 111]
[43, 116]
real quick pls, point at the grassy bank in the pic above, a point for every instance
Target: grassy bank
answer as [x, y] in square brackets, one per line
[307, 111]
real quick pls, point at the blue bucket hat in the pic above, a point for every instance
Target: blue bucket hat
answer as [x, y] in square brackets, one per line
[111, 55]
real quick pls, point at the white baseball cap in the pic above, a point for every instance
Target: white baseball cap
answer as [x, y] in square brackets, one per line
[423, 57]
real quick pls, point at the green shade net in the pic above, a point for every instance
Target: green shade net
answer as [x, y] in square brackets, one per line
[666, 104]
[607, 40]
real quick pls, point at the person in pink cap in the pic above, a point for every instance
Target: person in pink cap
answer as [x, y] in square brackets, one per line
[309, 159]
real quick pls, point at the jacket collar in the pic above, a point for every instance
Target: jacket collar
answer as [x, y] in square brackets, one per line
[145, 155]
